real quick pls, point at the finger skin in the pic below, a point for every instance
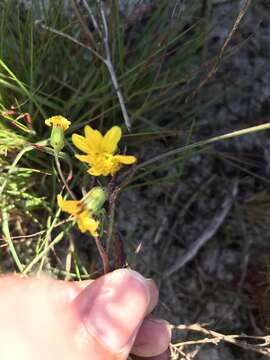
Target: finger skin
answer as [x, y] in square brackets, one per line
[33, 321]
[163, 356]
[61, 290]
[153, 338]
[113, 308]
[154, 293]
[54, 319]
[68, 290]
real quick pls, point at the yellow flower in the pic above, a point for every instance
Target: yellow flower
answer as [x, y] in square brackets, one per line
[59, 126]
[59, 121]
[100, 151]
[80, 213]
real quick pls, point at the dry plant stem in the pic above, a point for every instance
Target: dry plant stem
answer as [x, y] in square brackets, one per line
[224, 46]
[93, 19]
[107, 61]
[22, 237]
[128, 178]
[58, 166]
[82, 23]
[70, 38]
[110, 67]
[112, 198]
[119, 252]
[103, 254]
[206, 142]
[210, 231]
[114, 192]
[175, 351]
[104, 36]
[110, 227]
[238, 340]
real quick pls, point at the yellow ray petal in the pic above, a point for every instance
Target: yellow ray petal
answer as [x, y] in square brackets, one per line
[85, 158]
[48, 122]
[86, 223]
[70, 206]
[111, 139]
[58, 120]
[81, 143]
[125, 159]
[97, 171]
[94, 138]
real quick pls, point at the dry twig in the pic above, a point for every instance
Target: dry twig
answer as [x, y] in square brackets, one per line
[215, 338]
[107, 60]
[104, 38]
[103, 254]
[215, 67]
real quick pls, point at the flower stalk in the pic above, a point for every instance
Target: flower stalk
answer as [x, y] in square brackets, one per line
[59, 170]
[102, 156]
[103, 254]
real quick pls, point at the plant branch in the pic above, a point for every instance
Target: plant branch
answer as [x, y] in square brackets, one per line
[104, 36]
[93, 19]
[22, 237]
[58, 166]
[82, 22]
[107, 60]
[103, 254]
[215, 337]
[214, 69]
[71, 38]
[202, 143]
[111, 220]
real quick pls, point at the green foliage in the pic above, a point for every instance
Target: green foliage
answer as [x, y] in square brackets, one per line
[9, 140]
[43, 73]
[48, 74]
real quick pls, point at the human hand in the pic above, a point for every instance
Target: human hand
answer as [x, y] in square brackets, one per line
[105, 319]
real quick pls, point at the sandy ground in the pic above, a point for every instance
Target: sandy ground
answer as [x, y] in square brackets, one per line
[225, 282]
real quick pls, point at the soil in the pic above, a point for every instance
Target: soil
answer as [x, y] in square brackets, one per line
[225, 284]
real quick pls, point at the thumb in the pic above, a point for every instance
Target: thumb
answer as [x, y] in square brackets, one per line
[111, 310]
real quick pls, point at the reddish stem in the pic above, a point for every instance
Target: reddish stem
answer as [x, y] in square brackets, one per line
[103, 254]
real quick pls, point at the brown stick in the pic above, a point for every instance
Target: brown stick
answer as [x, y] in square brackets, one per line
[239, 340]
[120, 258]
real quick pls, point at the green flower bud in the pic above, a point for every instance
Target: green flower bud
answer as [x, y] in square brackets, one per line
[57, 138]
[95, 199]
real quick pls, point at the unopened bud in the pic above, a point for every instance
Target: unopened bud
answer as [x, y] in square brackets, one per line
[57, 138]
[95, 199]
[59, 125]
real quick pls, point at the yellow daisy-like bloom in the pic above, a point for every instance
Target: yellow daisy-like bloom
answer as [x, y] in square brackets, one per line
[58, 120]
[100, 151]
[82, 216]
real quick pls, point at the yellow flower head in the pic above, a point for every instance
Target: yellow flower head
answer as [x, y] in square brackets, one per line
[58, 120]
[100, 151]
[82, 216]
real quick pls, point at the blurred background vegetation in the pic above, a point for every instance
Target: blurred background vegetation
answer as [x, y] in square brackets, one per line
[187, 71]
[44, 73]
